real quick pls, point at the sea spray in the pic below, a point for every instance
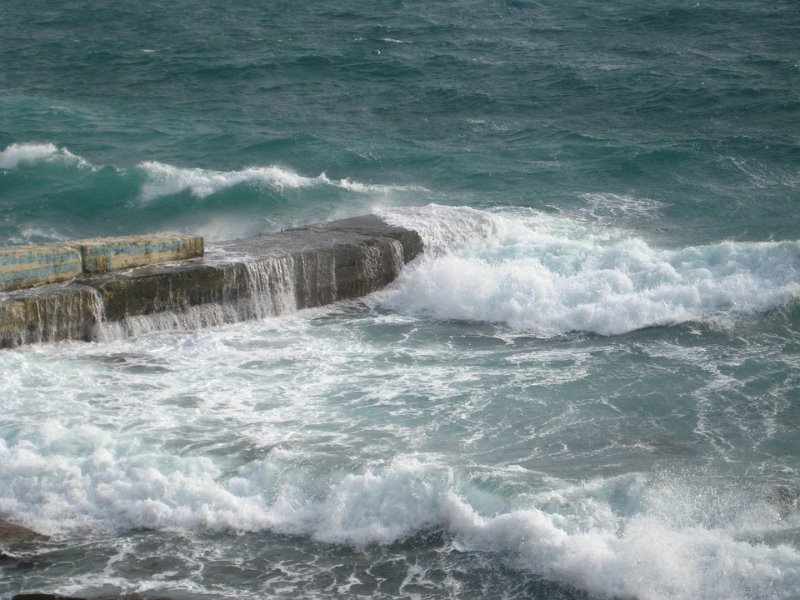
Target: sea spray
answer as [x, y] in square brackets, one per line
[544, 275]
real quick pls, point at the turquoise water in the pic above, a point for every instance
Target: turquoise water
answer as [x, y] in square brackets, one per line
[586, 388]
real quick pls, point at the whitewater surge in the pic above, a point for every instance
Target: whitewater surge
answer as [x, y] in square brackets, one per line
[630, 536]
[222, 430]
[546, 275]
[586, 388]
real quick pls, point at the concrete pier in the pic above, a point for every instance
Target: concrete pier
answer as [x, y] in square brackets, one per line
[241, 279]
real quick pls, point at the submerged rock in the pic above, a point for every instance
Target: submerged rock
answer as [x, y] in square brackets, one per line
[15, 538]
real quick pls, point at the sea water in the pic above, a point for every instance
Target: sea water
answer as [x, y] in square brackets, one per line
[587, 387]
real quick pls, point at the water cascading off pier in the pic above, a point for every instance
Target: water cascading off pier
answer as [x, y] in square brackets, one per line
[250, 278]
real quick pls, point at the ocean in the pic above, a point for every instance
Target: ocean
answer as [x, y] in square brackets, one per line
[587, 387]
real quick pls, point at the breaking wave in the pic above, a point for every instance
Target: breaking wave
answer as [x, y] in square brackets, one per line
[546, 276]
[16, 155]
[165, 180]
[626, 536]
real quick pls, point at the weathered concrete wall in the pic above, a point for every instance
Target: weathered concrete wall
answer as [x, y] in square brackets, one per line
[241, 279]
[37, 264]
[100, 255]
[334, 261]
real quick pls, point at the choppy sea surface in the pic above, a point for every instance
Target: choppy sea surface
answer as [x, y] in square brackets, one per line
[589, 385]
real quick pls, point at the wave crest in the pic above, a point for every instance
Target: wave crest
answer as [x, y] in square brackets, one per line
[165, 180]
[15, 155]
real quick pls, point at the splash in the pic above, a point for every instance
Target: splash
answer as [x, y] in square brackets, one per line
[16, 155]
[547, 276]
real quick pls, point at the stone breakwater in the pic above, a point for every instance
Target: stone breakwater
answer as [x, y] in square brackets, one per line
[110, 287]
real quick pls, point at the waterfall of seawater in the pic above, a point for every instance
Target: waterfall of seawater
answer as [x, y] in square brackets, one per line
[317, 272]
[270, 287]
[65, 315]
[396, 257]
[254, 289]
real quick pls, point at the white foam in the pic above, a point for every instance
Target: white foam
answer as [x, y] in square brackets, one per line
[617, 537]
[640, 557]
[15, 155]
[225, 430]
[165, 180]
[364, 188]
[547, 276]
[29, 234]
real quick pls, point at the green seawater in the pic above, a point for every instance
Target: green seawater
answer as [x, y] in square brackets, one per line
[586, 388]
